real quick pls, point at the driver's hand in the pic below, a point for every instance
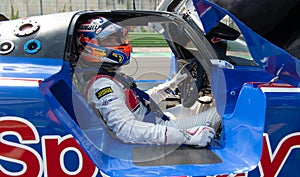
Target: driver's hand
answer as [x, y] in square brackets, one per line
[200, 136]
[179, 77]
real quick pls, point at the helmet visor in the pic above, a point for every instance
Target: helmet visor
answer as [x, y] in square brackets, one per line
[112, 35]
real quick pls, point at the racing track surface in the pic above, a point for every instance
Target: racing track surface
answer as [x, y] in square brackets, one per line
[149, 63]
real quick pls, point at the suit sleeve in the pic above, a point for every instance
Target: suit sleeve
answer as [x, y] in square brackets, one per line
[162, 91]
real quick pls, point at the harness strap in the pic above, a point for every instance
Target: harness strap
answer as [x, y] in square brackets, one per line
[152, 105]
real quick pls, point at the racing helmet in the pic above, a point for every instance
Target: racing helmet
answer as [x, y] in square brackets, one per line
[101, 42]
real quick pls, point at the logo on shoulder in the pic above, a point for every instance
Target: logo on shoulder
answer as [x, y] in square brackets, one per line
[102, 92]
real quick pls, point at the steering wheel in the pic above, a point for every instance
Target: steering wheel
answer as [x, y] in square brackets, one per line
[188, 88]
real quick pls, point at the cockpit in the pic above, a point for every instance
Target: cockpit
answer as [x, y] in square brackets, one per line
[161, 44]
[201, 57]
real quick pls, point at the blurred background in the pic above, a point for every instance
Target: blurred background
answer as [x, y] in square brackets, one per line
[14, 9]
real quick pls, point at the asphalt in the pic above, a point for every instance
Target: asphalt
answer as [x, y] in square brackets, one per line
[151, 49]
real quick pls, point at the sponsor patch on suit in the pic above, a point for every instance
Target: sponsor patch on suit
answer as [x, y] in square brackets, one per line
[102, 92]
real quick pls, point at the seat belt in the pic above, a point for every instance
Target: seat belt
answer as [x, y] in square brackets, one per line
[152, 106]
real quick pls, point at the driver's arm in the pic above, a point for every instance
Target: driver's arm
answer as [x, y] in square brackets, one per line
[162, 91]
[112, 106]
[123, 123]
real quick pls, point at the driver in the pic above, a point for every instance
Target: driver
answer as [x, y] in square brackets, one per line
[131, 114]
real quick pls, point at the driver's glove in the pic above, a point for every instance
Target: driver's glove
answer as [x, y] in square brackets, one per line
[200, 136]
[178, 78]
[162, 91]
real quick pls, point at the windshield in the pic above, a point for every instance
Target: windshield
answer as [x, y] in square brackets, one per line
[161, 47]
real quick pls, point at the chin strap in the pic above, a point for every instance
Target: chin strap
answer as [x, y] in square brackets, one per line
[129, 83]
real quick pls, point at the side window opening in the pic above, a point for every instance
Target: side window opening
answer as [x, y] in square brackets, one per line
[229, 43]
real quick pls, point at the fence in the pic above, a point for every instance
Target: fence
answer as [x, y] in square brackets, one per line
[26, 8]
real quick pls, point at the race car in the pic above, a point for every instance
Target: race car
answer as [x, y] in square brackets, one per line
[47, 128]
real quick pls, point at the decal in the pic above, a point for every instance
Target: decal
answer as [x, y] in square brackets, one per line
[88, 27]
[168, 90]
[92, 25]
[19, 153]
[97, 52]
[102, 92]
[132, 101]
[98, 30]
[234, 175]
[55, 149]
[271, 163]
[118, 57]
[216, 40]
[106, 102]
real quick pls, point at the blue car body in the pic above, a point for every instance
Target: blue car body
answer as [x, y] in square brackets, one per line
[48, 129]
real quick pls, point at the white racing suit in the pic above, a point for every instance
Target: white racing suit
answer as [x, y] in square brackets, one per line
[125, 115]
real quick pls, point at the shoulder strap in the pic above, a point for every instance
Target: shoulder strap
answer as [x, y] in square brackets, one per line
[153, 106]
